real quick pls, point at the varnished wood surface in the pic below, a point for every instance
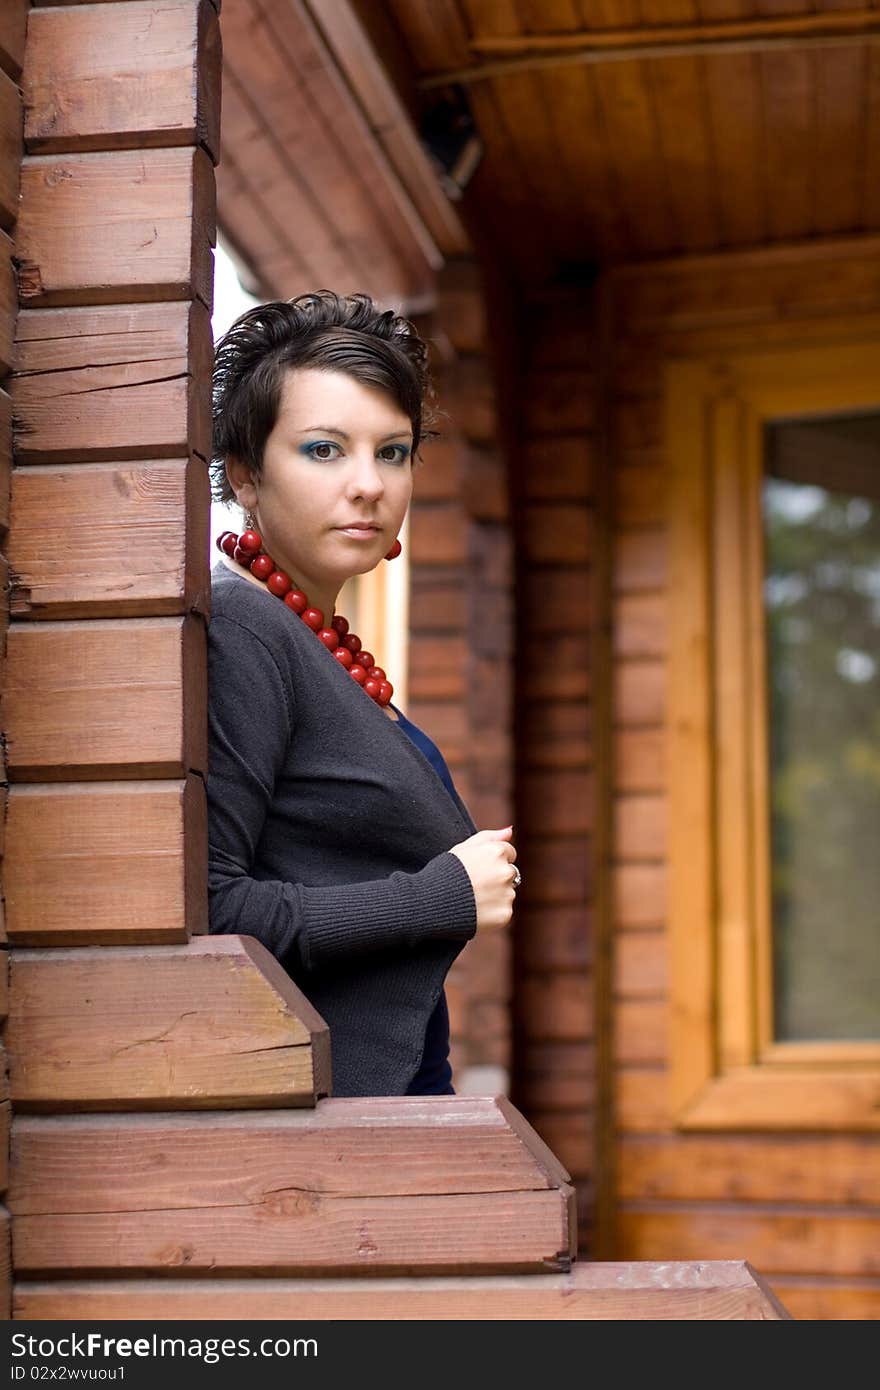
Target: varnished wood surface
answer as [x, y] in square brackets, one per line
[215, 1024]
[84, 86]
[470, 1187]
[77, 530]
[159, 244]
[654, 130]
[708, 1290]
[118, 382]
[98, 715]
[71, 845]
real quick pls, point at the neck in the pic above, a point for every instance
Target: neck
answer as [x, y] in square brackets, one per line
[323, 598]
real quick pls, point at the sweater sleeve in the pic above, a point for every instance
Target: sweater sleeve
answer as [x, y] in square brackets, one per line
[250, 724]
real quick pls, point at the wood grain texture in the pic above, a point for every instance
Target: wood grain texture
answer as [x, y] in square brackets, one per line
[106, 699]
[71, 845]
[611, 1291]
[110, 540]
[471, 1187]
[10, 150]
[214, 1024]
[5, 468]
[157, 246]
[84, 86]
[8, 304]
[95, 384]
[828, 1170]
[5, 1123]
[13, 25]
[780, 1239]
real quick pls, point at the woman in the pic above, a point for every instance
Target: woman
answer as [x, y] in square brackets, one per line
[336, 836]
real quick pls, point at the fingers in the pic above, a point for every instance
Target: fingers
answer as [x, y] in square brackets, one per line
[504, 834]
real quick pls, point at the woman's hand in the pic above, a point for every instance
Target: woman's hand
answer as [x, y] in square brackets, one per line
[489, 859]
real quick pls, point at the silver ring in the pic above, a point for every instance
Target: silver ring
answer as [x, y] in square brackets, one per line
[517, 878]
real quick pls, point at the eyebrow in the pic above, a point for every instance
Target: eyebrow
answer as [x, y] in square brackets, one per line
[331, 429]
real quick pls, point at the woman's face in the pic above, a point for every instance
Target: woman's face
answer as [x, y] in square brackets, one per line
[336, 478]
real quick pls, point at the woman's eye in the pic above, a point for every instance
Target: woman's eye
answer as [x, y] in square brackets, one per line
[395, 453]
[322, 451]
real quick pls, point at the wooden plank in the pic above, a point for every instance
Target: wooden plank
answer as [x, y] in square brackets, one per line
[641, 1028]
[567, 601]
[570, 1135]
[13, 24]
[75, 531]
[606, 1291]
[5, 466]
[8, 304]
[560, 402]
[678, 92]
[786, 1238]
[639, 693]
[640, 625]
[556, 1006]
[472, 1187]
[840, 96]
[557, 802]
[438, 534]
[555, 735]
[113, 383]
[640, 489]
[641, 1100]
[5, 1264]
[556, 534]
[829, 1299]
[640, 827]
[213, 1024]
[556, 1075]
[556, 870]
[157, 245]
[5, 1122]
[828, 1169]
[554, 938]
[640, 894]
[641, 967]
[439, 672]
[557, 469]
[10, 150]
[558, 668]
[71, 846]
[106, 699]
[640, 760]
[640, 560]
[733, 97]
[630, 123]
[84, 86]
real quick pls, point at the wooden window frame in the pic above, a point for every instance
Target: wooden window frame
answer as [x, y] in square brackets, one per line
[726, 1072]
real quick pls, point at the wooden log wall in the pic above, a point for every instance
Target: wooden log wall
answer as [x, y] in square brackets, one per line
[554, 510]
[803, 1208]
[461, 648]
[13, 24]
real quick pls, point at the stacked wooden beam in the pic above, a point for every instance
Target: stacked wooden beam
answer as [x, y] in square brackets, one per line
[13, 19]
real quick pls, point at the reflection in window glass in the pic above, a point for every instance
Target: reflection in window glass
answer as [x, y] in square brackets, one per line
[821, 506]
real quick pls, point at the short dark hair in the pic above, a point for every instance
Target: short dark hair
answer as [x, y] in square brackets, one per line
[325, 330]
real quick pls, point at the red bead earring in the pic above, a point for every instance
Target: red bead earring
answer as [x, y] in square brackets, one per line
[394, 551]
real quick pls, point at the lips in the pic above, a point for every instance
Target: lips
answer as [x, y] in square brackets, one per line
[360, 528]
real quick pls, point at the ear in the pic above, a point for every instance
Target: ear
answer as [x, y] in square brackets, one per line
[241, 480]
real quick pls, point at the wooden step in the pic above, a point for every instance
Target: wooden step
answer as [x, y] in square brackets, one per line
[214, 1024]
[399, 1185]
[720, 1290]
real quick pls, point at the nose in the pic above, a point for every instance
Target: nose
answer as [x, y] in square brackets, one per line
[364, 479]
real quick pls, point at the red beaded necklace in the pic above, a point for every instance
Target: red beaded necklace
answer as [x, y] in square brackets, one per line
[247, 550]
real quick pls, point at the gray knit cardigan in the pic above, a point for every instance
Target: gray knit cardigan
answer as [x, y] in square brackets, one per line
[328, 835]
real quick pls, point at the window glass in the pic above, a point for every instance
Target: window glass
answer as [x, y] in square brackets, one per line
[821, 516]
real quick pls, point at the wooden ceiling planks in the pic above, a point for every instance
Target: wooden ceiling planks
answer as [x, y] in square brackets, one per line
[311, 199]
[609, 155]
